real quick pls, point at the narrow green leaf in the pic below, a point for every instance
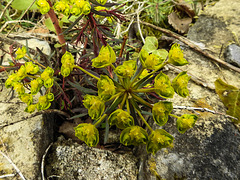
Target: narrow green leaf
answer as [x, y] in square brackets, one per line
[83, 89]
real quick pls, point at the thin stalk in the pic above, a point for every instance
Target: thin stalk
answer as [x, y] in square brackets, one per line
[114, 96]
[113, 66]
[100, 120]
[124, 100]
[174, 116]
[58, 29]
[136, 77]
[86, 72]
[146, 90]
[145, 122]
[127, 104]
[141, 100]
[35, 61]
[162, 65]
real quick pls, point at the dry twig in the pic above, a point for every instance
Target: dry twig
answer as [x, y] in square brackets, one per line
[43, 161]
[192, 45]
[15, 167]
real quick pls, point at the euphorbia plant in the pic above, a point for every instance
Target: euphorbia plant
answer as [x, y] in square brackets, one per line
[124, 88]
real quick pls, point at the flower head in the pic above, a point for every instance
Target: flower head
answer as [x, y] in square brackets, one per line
[43, 6]
[180, 83]
[186, 122]
[176, 56]
[31, 68]
[94, 105]
[18, 87]
[62, 7]
[31, 108]
[133, 135]
[26, 98]
[160, 112]
[106, 88]
[87, 133]
[127, 69]
[159, 139]
[21, 52]
[163, 85]
[121, 119]
[105, 58]
[43, 103]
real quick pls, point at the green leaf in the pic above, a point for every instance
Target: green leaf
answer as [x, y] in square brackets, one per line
[23, 5]
[162, 53]
[230, 97]
[49, 25]
[82, 89]
[78, 116]
[151, 44]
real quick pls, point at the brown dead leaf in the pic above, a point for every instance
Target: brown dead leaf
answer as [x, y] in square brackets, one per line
[181, 25]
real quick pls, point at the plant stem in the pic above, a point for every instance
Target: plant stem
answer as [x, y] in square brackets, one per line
[136, 77]
[114, 96]
[88, 73]
[124, 100]
[174, 116]
[141, 100]
[58, 29]
[145, 122]
[161, 66]
[100, 120]
[35, 61]
[127, 104]
[146, 90]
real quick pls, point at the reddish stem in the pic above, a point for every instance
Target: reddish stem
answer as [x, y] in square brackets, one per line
[58, 29]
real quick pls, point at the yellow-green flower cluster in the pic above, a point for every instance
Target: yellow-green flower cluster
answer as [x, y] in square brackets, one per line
[87, 133]
[133, 135]
[175, 56]
[75, 7]
[105, 58]
[159, 139]
[31, 71]
[106, 88]
[127, 69]
[163, 86]
[122, 119]
[67, 61]
[43, 6]
[186, 122]
[94, 105]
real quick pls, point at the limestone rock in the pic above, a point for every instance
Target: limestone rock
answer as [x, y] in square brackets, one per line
[72, 161]
[22, 139]
[210, 150]
[232, 54]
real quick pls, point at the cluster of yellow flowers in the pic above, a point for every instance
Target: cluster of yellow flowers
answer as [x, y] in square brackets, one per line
[75, 7]
[31, 71]
[124, 92]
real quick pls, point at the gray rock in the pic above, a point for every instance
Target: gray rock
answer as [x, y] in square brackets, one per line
[210, 150]
[232, 54]
[22, 139]
[72, 161]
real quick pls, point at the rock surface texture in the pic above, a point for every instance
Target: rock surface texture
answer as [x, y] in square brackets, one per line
[210, 150]
[72, 161]
[22, 139]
